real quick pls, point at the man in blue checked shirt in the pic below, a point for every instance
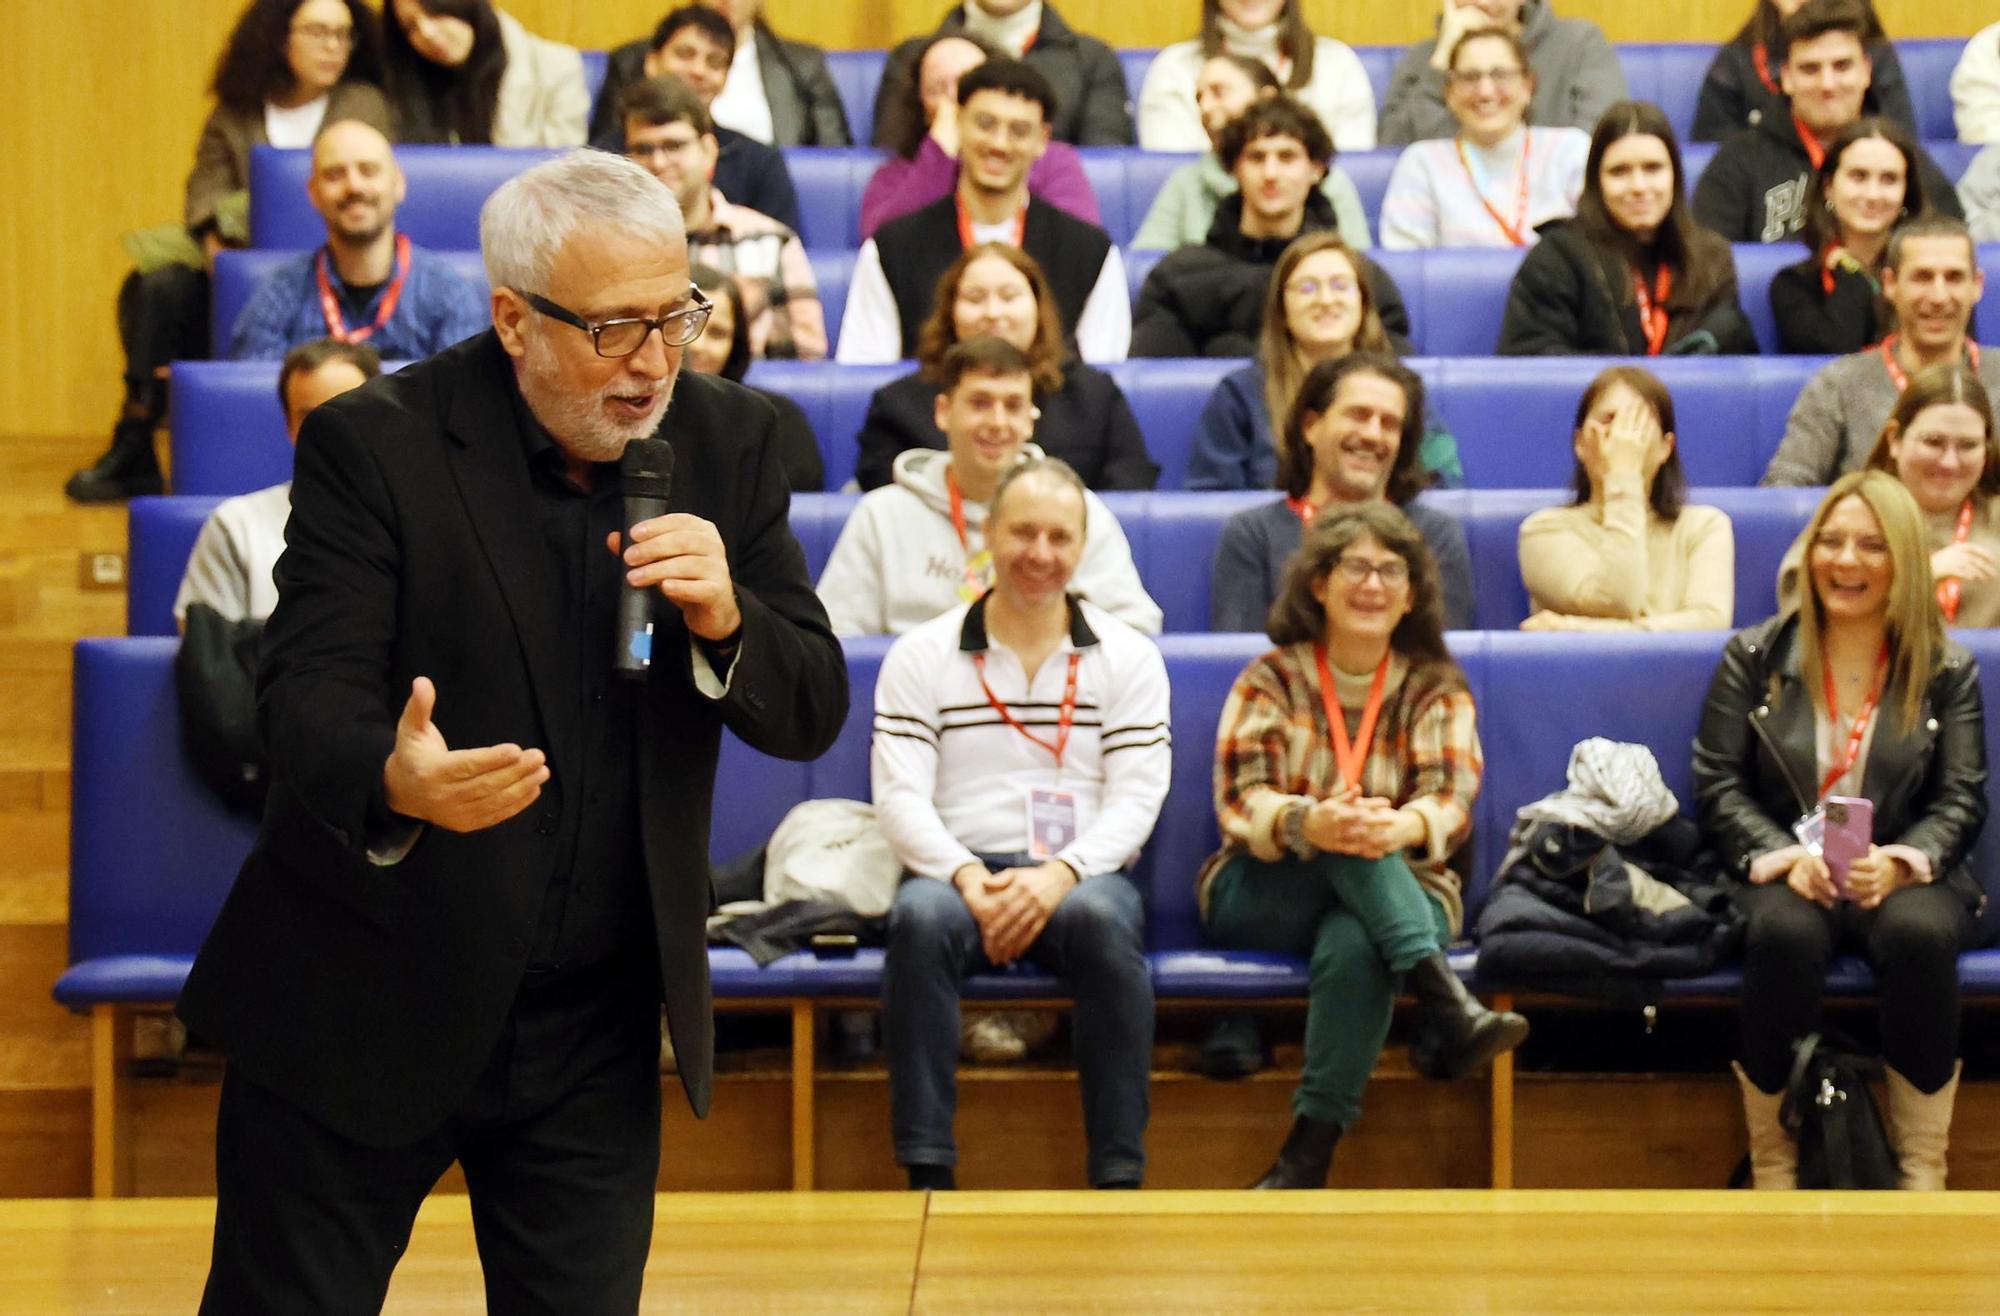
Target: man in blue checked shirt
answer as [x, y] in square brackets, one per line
[369, 283]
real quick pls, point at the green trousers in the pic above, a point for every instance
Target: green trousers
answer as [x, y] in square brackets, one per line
[1362, 923]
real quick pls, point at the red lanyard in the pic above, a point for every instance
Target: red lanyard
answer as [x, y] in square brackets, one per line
[1302, 509]
[957, 508]
[1653, 307]
[1517, 232]
[1861, 719]
[965, 225]
[336, 323]
[1900, 378]
[1949, 588]
[1064, 717]
[1815, 151]
[1351, 757]
[1760, 59]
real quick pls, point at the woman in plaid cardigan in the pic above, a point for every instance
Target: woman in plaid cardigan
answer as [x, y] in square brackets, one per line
[1336, 835]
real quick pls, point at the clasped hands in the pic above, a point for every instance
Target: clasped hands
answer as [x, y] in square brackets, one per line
[1013, 905]
[1871, 879]
[1366, 826]
[466, 790]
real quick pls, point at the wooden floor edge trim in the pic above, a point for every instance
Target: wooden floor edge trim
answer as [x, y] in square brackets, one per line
[1468, 1201]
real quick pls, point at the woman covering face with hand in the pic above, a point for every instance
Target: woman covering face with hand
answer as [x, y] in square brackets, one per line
[1850, 718]
[467, 73]
[1347, 764]
[1830, 303]
[1632, 274]
[1497, 180]
[1627, 554]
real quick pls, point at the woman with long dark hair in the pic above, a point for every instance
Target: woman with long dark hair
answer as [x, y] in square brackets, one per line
[289, 67]
[1321, 73]
[1830, 303]
[1742, 89]
[464, 72]
[1853, 703]
[1347, 763]
[994, 290]
[1632, 274]
[1628, 553]
[724, 349]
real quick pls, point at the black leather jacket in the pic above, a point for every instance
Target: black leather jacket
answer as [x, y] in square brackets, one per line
[1755, 767]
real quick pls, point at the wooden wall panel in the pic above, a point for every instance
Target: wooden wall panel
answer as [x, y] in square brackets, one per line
[105, 99]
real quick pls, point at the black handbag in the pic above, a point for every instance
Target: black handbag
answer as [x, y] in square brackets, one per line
[1830, 1111]
[215, 676]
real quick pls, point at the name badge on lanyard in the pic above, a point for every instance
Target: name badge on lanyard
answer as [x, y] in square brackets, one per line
[978, 566]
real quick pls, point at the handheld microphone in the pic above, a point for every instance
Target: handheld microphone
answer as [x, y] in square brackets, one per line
[646, 473]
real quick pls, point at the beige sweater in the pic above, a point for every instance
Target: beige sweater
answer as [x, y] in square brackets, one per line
[1626, 569]
[1978, 605]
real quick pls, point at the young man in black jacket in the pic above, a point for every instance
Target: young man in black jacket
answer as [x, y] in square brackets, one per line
[1209, 300]
[1755, 189]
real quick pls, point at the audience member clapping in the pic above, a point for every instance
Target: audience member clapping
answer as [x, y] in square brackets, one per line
[1743, 88]
[1352, 436]
[1498, 180]
[1577, 74]
[1318, 71]
[465, 72]
[1831, 302]
[1347, 764]
[1628, 554]
[1320, 306]
[724, 349]
[1853, 713]
[996, 291]
[1632, 274]
[923, 165]
[1184, 207]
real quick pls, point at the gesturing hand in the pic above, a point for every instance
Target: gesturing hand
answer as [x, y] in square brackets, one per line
[684, 557]
[460, 790]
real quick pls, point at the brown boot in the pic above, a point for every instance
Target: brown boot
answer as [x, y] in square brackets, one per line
[1774, 1157]
[1920, 1129]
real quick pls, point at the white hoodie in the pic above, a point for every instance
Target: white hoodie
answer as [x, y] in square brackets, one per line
[898, 562]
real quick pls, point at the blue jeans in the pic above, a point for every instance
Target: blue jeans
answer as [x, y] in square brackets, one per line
[1094, 941]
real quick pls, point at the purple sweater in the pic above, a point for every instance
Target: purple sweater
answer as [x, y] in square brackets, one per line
[900, 186]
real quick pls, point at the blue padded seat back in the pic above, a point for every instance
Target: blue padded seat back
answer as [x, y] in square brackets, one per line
[1765, 521]
[842, 772]
[1146, 172]
[226, 428]
[1463, 300]
[1527, 734]
[152, 851]
[160, 534]
[1694, 159]
[237, 274]
[1756, 264]
[447, 186]
[856, 74]
[1927, 68]
[596, 63]
[1138, 264]
[1201, 670]
[830, 181]
[816, 520]
[833, 271]
[1180, 532]
[1134, 61]
[1104, 167]
[1380, 62]
[1369, 172]
[1492, 520]
[1167, 396]
[1952, 157]
[835, 400]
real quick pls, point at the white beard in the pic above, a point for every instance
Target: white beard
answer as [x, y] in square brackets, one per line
[578, 422]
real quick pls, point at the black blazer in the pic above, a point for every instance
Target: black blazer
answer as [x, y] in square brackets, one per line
[1087, 423]
[1756, 768]
[372, 996]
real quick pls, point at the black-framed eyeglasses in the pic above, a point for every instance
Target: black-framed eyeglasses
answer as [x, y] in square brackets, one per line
[622, 337]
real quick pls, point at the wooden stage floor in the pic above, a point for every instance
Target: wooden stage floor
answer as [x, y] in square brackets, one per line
[1381, 1251]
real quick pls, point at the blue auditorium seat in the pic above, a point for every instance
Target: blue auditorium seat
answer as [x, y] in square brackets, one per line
[816, 520]
[830, 181]
[1694, 158]
[160, 534]
[1756, 264]
[1104, 168]
[1135, 61]
[238, 272]
[447, 186]
[835, 400]
[596, 63]
[1167, 396]
[1952, 157]
[833, 271]
[226, 428]
[1369, 172]
[857, 73]
[1927, 66]
[1462, 299]
[1380, 62]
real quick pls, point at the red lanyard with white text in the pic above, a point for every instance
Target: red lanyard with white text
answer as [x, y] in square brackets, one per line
[1653, 307]
[1815, 149]
[336, 323]
[1302, 509]
[1064, 716]
[1760, 59]
[1949, 588]
[965, 240]
[1516, 232]
[1900, 377]
[1350, 757]
[1861, 719]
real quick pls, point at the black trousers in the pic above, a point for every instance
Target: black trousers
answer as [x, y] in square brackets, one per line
[559, 1139]
[162, 318]
[1912, 941]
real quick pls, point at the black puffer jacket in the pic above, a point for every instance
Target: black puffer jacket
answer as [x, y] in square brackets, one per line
[1209, 300]
[1733, 97]
[1755, 766]
[1571, 298]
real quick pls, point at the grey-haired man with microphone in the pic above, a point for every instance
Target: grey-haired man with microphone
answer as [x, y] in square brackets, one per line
[484, 862]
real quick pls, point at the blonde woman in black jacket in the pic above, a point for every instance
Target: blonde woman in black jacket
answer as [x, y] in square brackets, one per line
[1857, 693]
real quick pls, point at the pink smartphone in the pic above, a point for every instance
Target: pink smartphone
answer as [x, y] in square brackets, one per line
[1850, 830]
